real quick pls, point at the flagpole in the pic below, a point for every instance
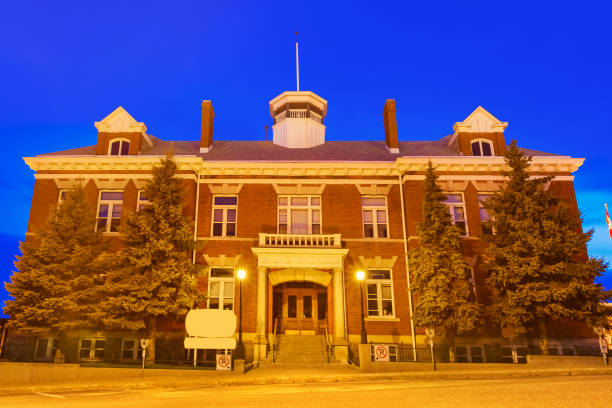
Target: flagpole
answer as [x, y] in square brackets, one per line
[297, 64]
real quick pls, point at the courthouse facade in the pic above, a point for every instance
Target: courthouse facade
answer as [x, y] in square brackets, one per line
[301, 215]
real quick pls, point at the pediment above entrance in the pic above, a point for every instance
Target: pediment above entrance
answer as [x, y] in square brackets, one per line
[278, 276]
[286, 258]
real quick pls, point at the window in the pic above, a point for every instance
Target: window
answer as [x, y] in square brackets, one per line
[472, 281]
[109, 210]
[224, 216]
[484, 214]
[221, 288]
[299, 215]
[469, 354]
[374, 210]
[142, 201]
[380, 293]
[482, 147]
[46, 348]
[456, 206]
[61, 196]
[119, 147]
[92, 349]
[130, 349]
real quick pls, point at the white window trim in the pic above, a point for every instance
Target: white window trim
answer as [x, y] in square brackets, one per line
[59, 196]
[140, 201]
[452, 213]
[308, 207]
[480, 142]
[48, 350]
[135, 352]
[374, 218]
[92, 350]
[118, 139]
[222, 282]
[472, 281]
[109, 216]
[481, 205]
[224, 222]
[379, 299]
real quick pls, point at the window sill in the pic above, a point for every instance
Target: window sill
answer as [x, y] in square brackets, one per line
[382, 319]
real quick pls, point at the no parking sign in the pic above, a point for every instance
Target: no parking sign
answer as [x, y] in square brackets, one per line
[381, 352]
[223, 362]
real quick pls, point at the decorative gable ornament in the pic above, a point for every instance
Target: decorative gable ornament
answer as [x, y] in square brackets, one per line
[480, 121]
[119, 121]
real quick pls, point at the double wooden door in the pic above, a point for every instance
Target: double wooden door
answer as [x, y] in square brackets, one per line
[300, 311]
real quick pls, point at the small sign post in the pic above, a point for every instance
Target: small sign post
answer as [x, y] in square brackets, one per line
[430, 332]
[144, 343]
[381, 352]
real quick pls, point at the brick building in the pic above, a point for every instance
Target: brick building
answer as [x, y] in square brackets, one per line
[301, 215]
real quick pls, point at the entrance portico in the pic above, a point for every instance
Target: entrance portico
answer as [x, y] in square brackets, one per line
[322, 266]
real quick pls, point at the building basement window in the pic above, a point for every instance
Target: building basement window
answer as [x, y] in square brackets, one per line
[374, 210]
[119, 147]
[46, 348]
[225, 209]
[110, 205]
[482, 147]
[92, 349]
[380, 293]
[221, 288]
[299, 215]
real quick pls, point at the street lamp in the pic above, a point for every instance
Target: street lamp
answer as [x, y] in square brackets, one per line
[240, 351]
[364, 335]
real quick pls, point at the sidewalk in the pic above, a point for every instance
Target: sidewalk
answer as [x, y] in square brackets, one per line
[131, 378]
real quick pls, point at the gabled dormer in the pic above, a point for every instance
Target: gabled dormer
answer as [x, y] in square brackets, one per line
[480, 134]
[119, 134]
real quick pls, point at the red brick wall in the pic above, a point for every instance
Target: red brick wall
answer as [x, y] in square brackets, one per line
[104, 138]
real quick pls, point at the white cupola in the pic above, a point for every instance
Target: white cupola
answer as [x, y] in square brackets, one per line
[298, 119]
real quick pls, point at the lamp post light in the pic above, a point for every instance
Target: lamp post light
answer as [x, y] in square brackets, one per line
[240, 351]
[364, 335]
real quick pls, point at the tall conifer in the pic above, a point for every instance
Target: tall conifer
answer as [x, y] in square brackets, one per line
[440, 276]
[539, 268]
[153, 277]
[60, 271]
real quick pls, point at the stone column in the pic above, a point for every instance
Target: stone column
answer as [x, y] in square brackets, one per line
[340, 341]
[260, 332]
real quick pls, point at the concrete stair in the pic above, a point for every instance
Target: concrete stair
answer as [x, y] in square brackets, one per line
[301, 351]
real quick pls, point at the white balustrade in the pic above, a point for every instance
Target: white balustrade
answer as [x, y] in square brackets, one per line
[299, 240]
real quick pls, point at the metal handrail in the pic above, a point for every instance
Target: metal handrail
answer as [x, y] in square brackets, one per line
[328, 346]
[275, 340]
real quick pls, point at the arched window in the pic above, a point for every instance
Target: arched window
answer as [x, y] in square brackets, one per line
[482, 147]
[119, 147]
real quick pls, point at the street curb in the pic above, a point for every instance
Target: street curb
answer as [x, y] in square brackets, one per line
[299, 379]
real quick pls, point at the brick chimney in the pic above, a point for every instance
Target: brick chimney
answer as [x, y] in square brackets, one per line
[390, 126]
[208, 117]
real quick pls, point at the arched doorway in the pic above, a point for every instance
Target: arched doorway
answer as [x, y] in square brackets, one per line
[301, 308]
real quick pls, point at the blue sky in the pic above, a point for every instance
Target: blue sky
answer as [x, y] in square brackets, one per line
[544, 67]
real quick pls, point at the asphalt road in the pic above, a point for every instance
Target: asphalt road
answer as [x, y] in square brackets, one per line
[578, 391]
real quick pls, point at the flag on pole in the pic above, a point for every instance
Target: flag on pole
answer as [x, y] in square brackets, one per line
[608, 221]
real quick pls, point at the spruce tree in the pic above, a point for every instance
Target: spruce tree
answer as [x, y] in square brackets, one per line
[56, 286]
[153, 276]
[538, 265]
[440, 276]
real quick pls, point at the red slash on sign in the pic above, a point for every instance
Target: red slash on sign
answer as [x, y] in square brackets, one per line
[381, 353]
[223, 362]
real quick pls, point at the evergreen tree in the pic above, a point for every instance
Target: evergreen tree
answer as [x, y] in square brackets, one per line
[539, 268]
[440, 276]
[154, 276]
[55, 288]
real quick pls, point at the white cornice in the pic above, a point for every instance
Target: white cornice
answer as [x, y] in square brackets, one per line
[452, 164]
